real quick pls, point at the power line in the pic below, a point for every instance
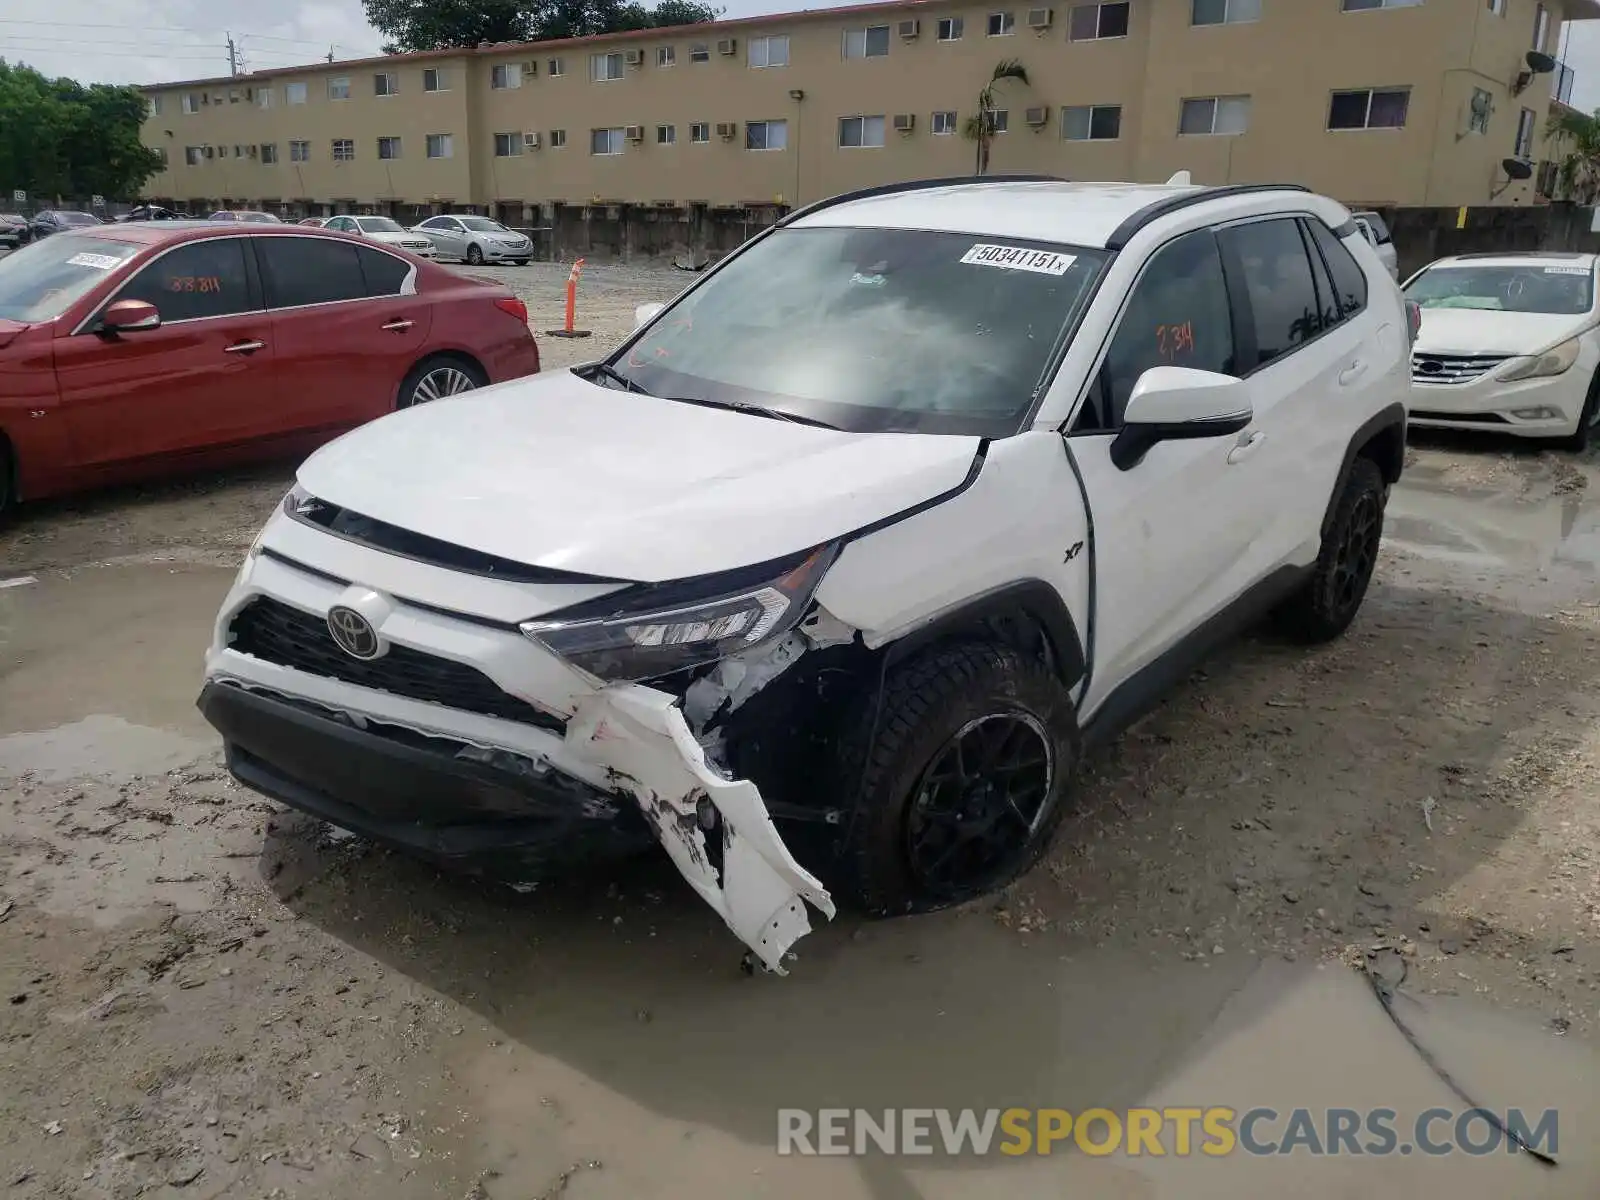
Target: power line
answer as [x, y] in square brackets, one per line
[213, 57]
[147, 31]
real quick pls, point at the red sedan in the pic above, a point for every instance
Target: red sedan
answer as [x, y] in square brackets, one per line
[131, 351]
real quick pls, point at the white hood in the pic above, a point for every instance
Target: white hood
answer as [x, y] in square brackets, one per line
[557, 472]
[404, 238]
[1476, 331]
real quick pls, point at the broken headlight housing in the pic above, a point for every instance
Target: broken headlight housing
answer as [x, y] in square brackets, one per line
[650, 630]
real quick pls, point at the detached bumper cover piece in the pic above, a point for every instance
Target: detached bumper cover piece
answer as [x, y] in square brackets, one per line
[641, 737]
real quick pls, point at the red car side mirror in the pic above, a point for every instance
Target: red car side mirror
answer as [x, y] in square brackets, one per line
[130, 316]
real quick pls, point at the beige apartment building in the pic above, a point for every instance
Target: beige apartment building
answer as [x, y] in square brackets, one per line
[1377, 102]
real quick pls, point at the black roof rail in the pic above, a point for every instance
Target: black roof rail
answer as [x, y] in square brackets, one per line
[1123, 233]
[914, 185]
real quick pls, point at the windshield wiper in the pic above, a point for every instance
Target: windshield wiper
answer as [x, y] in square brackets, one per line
[607, 371]
[755, 410]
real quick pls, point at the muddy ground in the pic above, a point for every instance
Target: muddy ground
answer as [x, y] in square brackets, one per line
[203, 995]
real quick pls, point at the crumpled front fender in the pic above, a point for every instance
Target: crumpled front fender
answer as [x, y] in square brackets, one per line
[639, 735]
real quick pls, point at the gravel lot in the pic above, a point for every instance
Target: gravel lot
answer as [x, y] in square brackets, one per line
[212, 997]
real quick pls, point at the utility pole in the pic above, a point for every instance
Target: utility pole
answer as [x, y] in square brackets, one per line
[330, 53]
[233, 56]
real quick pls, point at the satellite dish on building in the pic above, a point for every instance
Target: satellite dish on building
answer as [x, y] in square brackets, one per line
[1516, 168]
[1539, 63]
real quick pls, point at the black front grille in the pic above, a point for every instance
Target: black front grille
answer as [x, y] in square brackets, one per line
[279, 633]
[1423, 414]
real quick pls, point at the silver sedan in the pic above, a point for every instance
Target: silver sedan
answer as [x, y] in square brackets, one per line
[475, 239]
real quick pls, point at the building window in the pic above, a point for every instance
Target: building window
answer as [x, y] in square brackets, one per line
[1497, 7]
[233, 95]
[386, 83]
[1479, 110]
[191, 102]
[606, 141]
[766, 135]
[666, 56]
[266, 97]
[339, 89]
[441, 145]
[951, 29]
[344, 150]
[943, 124]
[556, 68]
[153, 106]
[871, 42]
[1525, 134]
[507, 145]
[1224, 12]
[269, 152]
[1092, 123]
[192, 155]
[1372, 5]
[1214, 114]
[294, 93]
[999, 120]
[1369, 109]
[860, 132]
[505, 75]
[666, 135]
[700, 132]
[388, 148]
[699, 53]
[558, 138]
[435, 80]
[299, 151]
[773, 51]
[1541, 27]
[605, 67]
[1002, 24]
[161, 155]
[1092, 22]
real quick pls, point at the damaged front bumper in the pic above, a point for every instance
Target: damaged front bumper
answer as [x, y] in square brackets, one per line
[486, 792]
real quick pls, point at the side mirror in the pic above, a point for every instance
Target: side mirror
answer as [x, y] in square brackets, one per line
[130, 316]
[646, 313]
[1172, 403]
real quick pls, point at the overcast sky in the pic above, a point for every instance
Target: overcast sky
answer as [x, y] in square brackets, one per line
[143, 41]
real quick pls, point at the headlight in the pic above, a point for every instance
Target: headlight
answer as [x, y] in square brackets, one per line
[1552, 362]
[655, 629]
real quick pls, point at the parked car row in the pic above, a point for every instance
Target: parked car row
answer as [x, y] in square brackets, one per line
[471, 239]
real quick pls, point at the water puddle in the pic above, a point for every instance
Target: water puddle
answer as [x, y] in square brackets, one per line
[97, 746]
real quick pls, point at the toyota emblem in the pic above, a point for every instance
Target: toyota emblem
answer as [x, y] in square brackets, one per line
[353, 633]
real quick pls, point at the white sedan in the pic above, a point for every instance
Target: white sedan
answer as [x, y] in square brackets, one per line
[382, 229]
[1509, 343]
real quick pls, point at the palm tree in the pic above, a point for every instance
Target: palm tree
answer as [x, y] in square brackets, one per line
[980, 128]
[1576, 138]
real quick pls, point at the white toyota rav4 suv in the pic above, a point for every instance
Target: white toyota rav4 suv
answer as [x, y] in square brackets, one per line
[826, 576]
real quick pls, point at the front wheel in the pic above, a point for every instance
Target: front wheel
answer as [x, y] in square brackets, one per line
[437, 378]
[1582, 437]
[963, 766]
[1326, 604]
[474, 256]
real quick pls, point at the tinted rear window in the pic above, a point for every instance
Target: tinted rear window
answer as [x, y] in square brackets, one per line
[303, 270]
[385, 274]
[1349, 280]
[1277, 273]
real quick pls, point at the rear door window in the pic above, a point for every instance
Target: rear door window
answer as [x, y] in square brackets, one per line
[384, 273]
[1349, 280]
[1277, 274]
[297, 271]
[195, 280]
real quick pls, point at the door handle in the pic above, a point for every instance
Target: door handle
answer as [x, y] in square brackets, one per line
[1246, 447]
[398, 326]
[244, 347]
[1352, 373]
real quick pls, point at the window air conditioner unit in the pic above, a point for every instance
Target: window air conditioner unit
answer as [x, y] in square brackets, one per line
[530, 141]
[904, 122]
[727, 45]
[634, 133]
[634, 58]
[910, 29]
[726, 130]
[1040, 18]
[1037, 116]
[211, 152]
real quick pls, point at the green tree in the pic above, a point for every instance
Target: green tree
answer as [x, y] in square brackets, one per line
[411, 25]
[60, 138]
[1576, 138]
[980, 128]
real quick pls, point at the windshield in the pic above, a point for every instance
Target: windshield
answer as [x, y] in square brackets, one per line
[77, 218]
[872, 329]
[260, 218]
[483, 225]
[379, 225]
[41, 281]
[1561, 290]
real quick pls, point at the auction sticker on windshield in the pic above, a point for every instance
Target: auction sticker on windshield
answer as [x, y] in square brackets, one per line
[1566, 270]
[101, 262]
[1019, 258]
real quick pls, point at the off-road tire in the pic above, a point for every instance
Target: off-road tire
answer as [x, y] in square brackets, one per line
[1580, 439]
[1327, 603]
[891, 741]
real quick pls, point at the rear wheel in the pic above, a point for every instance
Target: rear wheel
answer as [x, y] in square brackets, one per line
[1324, 607]
[437, 378]
[474, 256]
